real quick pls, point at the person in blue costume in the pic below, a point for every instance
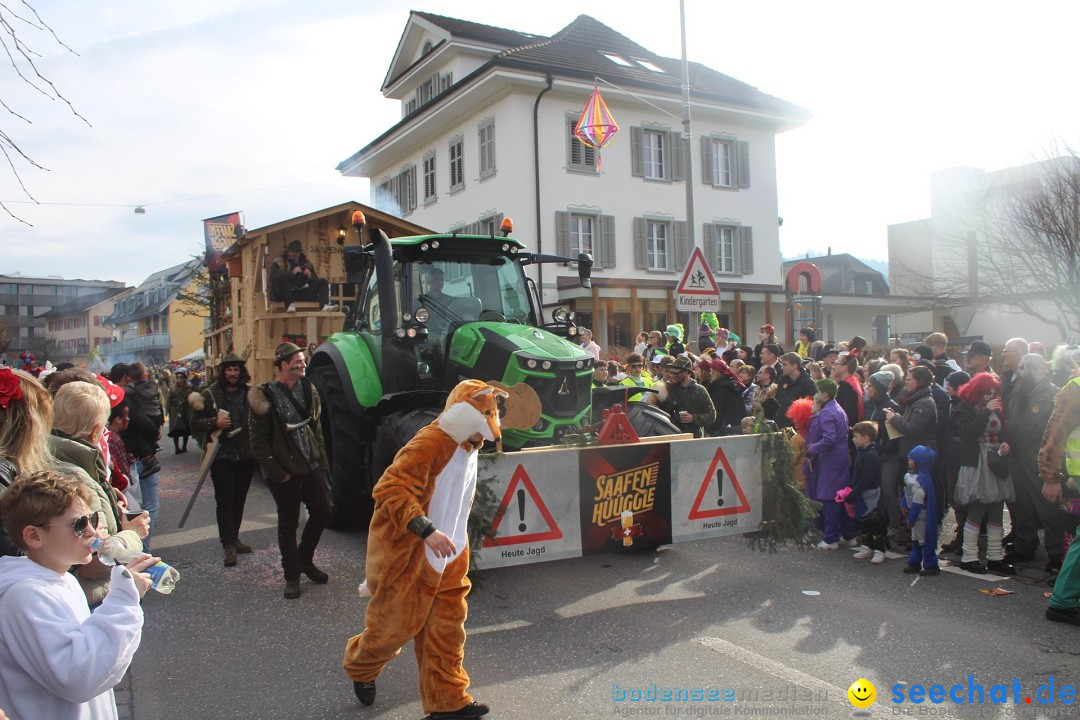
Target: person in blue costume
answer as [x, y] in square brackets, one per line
[920, 504]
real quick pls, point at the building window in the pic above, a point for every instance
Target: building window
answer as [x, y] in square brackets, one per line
[730, 248]
[486, 139]
[582, 157]
[397, 195]
[586, 232]
[457, 163]
[653, 155]
[581, 235]
[429, 178]
[725, 161]
[656, 242]
[656, 154]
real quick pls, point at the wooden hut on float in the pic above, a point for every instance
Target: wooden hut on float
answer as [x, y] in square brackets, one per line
[247, 321]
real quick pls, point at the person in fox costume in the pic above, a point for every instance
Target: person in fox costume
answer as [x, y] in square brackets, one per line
[418, 556]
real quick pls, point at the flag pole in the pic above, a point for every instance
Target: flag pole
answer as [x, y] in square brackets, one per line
[691, 234]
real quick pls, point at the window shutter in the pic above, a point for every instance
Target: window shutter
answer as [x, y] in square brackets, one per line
[707, 160]
[742, 149]
[676, 151]
[712, 247]
[637, 151]
[736, 251]
[641, 249]
[682, 244]
[576, 147]
[562, 233]
[746, 240]
[607, 230]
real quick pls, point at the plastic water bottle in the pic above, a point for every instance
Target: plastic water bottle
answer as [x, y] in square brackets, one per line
[113, 551]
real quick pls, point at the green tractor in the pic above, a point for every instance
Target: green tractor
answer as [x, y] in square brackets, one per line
[430, 311]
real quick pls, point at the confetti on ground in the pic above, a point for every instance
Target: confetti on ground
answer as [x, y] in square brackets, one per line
[995, 591]
[810, 592]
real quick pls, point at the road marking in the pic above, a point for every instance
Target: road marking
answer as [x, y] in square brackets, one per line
[500, 627]
[194, 535]
[774, 668]
[947, 566]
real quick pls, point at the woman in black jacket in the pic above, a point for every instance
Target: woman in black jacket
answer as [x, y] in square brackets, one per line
[726, 390]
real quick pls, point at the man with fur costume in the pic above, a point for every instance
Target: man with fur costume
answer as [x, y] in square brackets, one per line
[418, 556]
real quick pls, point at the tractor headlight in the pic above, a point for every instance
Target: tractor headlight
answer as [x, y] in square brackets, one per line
[400, 332]
[531, 364]
[422, 315]
[435, 244]
[572, 331]
[406, 316]
[580, 364]
[411, 332]
[560, 314]
[546, 365]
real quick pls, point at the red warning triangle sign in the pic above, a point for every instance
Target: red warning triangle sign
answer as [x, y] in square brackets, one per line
[710, 483]
[553, 532]
[697, 279]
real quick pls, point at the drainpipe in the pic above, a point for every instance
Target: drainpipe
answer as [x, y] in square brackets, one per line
[536, 170]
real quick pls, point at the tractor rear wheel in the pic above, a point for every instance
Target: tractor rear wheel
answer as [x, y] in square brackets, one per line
[650, 421]
[395, 430]
[349, 483]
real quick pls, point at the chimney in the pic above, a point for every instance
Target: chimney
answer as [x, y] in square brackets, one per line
[830, 251]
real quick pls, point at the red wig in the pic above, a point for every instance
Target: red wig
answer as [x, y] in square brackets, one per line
[799, 413]
[976, 389]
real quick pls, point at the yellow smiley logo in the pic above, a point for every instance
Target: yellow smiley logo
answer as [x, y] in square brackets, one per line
[862, 693]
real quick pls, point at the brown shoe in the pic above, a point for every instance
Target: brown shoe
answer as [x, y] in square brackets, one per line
[242, 548]
[230, 556]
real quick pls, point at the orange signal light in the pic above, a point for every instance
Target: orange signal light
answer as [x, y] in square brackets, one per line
[358, 218]
[507, 226]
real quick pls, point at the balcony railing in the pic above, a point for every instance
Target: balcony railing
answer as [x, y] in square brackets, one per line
[143, 342]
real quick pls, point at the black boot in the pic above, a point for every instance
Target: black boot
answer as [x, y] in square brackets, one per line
[472, 710]
[364, 691]
[292, 588]
[314, 574]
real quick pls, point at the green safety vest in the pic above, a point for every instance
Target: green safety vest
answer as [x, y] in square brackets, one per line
[1072, 447]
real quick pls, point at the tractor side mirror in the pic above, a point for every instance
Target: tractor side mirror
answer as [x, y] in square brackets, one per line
[584, 269]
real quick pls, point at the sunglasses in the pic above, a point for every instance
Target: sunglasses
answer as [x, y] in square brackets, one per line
[634, 365]
[80, 524]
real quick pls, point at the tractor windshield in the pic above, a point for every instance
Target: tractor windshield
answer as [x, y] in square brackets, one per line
[457, 289]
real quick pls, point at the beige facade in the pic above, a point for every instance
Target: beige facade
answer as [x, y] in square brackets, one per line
[76, 330]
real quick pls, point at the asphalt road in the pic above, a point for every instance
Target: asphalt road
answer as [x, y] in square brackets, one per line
[562, 639]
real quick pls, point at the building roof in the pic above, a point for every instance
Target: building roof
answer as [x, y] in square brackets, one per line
[81, 304]
[174, 279]
[577, 52]
[840, 260]
[467, 29]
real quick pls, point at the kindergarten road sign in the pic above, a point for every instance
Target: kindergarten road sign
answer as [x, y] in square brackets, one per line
[697, 290]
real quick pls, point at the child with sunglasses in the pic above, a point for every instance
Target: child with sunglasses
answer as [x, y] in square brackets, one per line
[56, 659]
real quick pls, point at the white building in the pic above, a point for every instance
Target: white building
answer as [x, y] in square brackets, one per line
[944, 256]
[462, 157]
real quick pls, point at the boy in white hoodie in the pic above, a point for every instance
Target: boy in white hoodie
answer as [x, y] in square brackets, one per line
[58, 661]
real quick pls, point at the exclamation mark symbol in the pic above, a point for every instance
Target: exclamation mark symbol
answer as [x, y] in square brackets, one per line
[720, 488]
[521, 510]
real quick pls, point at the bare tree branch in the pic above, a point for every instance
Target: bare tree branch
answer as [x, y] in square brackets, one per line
[14, 23]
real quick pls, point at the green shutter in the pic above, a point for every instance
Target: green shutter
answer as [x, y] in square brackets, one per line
[742, 150]
[677, 151]
[682, 244]
[712, 247]
[607, 233]
[562, 233]
[746, 240]
[707, 160]
[641, 248]
[637, 150]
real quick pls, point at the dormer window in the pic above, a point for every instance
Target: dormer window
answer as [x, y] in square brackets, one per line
[648, 65]
[617, 59]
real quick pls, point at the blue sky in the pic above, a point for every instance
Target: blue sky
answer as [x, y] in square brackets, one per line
[254, 102]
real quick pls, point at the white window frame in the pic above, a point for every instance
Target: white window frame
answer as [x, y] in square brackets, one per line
[722, 159]
[658, 259]
[577, 234]
[726, 239]
[653, 154]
